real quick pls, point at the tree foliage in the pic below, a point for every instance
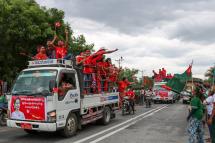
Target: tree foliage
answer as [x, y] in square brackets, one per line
[129, 74]
[23, 26]
[210, 73]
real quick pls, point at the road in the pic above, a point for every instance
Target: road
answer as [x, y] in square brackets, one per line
[159, 124]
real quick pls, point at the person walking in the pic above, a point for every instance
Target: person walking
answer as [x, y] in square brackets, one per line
[195, 125]
[209, 105]
[211, 120]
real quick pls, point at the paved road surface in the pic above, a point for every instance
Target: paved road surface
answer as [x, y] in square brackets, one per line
[159, 124]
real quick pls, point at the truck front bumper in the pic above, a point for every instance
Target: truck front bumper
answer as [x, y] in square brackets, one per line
[49, 127]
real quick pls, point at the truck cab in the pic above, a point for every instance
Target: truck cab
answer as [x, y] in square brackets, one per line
[46, 97]
[162, 95]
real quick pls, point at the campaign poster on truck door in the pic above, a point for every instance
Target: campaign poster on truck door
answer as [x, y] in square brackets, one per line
[27, 108]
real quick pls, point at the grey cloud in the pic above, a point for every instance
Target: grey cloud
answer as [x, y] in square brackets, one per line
[136, 17]
[200, 34]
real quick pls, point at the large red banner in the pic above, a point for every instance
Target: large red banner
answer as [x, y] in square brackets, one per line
[27, 108]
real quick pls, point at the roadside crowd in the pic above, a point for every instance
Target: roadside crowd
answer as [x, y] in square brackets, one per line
[201, 113]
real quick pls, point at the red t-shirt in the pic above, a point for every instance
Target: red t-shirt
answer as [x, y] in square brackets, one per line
[88, 65]
[41, 56]
[130, 94]
[100, 52]
[107, 67]
[79, 58]
[113, 73]
[100, 68]
[61, 52]
[122, 85]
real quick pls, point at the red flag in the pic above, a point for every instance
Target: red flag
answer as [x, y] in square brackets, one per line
[57, 24]
[189, 70]
[166, 87]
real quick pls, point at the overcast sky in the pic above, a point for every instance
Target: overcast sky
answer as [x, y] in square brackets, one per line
[149, 34]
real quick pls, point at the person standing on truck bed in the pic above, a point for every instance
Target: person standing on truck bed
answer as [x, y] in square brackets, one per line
[89, 63]
[50, 49]
[79, 68]
[61, 50]
[41, 55]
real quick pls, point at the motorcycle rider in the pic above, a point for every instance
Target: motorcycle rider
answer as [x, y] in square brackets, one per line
[131, 96]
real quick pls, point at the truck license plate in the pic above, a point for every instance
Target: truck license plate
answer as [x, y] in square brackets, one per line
[26, 126]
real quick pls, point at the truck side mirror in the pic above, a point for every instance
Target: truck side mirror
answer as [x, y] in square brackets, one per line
[52, 84]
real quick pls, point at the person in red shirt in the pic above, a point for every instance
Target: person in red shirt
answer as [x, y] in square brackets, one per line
[79, 69]
[41, 55]
[100, 53]
[61, 50]
[87, 71]
[107, 67]
[131, 96]
[112, 76]
[80, 58]
[101, 75]
[163, 73]
[122, 86]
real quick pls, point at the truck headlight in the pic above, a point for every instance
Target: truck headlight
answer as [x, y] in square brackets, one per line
[51, 116]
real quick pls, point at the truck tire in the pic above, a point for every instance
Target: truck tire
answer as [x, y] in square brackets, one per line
[3, 120]
[32, 132]
[123, 111]
[106, 116]
[71, 126]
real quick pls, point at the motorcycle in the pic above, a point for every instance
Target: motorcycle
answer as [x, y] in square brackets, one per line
[148, 101]
[126, 106]
[3, 114]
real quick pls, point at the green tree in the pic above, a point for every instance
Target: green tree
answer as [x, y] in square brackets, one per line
[23, 26]
[210, 73]
[129, 74]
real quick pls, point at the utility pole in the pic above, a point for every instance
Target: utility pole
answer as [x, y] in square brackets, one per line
[142, 74]
[119, 61]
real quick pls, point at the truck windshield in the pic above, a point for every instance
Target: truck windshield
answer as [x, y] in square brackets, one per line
[35, 82]
[158, 87]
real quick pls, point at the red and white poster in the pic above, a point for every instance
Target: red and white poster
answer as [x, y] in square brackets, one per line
[27, 108]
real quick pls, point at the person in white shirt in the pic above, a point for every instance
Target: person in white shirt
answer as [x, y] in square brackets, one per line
[211, 120]
[209, 101]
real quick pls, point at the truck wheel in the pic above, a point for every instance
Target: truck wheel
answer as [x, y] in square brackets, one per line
[32, 132]
[106, 116]
[123, 111]
[3, 120]
[71, 126]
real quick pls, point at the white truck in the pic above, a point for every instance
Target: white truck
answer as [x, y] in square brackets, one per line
[38, 103]
[162, 95]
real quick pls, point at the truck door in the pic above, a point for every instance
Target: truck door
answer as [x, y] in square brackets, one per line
[68, 94]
